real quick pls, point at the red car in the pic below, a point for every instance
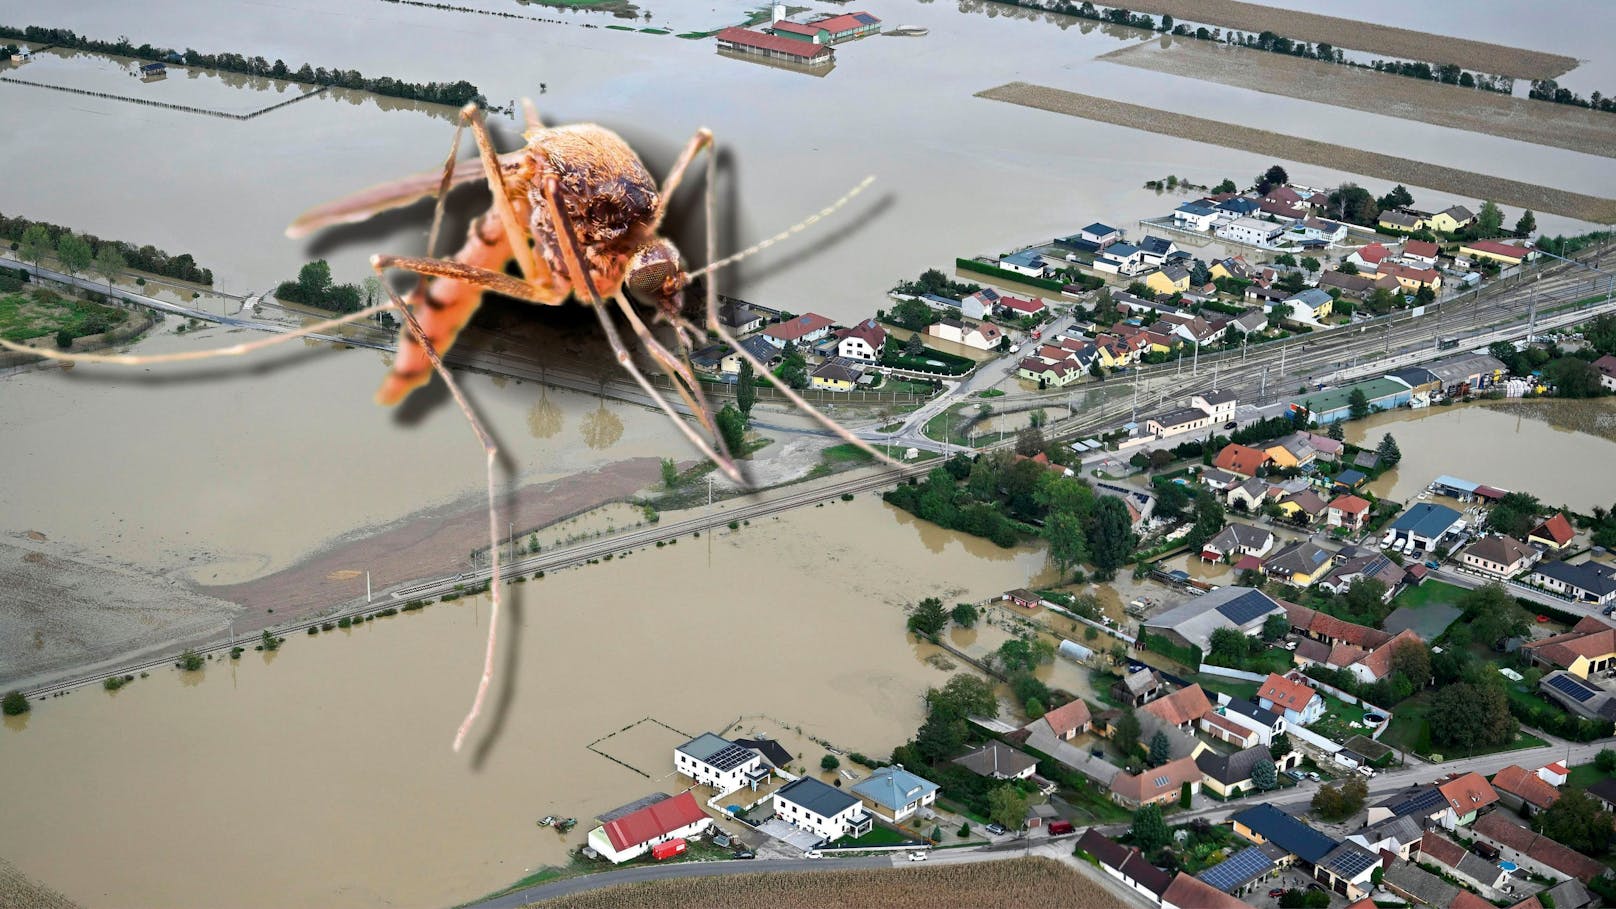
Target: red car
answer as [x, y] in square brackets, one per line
[1277, 892]
[1056, 828]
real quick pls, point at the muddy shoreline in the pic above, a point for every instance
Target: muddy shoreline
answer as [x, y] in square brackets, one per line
[1272, 145]
[1472, 110]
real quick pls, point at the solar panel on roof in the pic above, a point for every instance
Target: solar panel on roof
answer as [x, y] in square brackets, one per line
[1570, 687]
[1245, 608]
[1237, 869]
[730, 757]
[1351, 863]
[1422, 802]
[865, 18]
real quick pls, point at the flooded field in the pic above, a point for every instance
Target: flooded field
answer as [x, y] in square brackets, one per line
[1560, 125]
[183, 85]
[332, 755]
[1535, 448]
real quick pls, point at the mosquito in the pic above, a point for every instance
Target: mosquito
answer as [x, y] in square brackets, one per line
[580, 215]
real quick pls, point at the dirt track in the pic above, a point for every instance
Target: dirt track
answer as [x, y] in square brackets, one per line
[1537, 122]
[1278, 146]
[1480, 56]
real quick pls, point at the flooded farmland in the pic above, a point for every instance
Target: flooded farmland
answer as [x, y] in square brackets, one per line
[332, 754]
[1530, 447]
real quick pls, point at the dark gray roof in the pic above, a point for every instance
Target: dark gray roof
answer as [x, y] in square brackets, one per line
[1420, 884]
[1603, 789]
[1180, 416]
[1154, 244]
[1141, 681]
[758, 347]
[996, 758]
[1238, 870]
[1248, 709]
[1218, 397]
[631, 807]
[1287, 832]
[772, 751]
[1568, 894]
[1231, 768]
[816, 797]
[1426, 520]
[1302, 557]
[1400, 829]
[1419, 801]
[1237, 534]
[1593, 577]
[1349, 860]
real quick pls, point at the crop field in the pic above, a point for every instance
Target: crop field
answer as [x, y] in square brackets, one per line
[17, 891]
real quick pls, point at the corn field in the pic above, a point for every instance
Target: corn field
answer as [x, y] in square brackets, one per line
[17, 891]
[1025, 883]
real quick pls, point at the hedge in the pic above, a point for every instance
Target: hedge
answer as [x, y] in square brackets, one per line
[1007, 275]
[1189, 656]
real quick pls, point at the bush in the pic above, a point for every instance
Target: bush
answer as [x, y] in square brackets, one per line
[829, 762]
[15, 703]
[64, 339]
[113, 683]
[189, 661]
[314, 629]
[347, 622]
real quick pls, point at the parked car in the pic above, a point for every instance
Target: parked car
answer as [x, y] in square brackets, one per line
[1313, 776]
[1433, 564]
[917, 856]
[746, 854]
[997, 830]
[1057, 828]
[1296, 775]
[1366, 770]
[1315, 885]
[1276, 893]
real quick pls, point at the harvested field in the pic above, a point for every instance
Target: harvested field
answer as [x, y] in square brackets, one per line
[1271, 145]
[1026, 882]
[17, 891]
[1481, 56]
[1537, 122]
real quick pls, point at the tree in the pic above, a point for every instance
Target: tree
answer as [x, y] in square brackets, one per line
[1228, 647]
[829, 762]
[1007, 807]
[1576, 820]
[64, 338]
[1399, 197]
[1068, 545]
[1337, 431]
[964, 615]
[1354, 204]
[15, 703]
[1388, 451]
[1515, 514]
[963, 695]
[1605, 761]
[1572, 378]
[1285, 259]
[1341, 800]
[269, 642]
[1161, 748]
[190, 661]
[109, 263]
[1412, 659]
[940, 737]
[929, 618]
[1209, 518]
[732, 426]
[1357, 404]
[1227, 186]
[1264, 775]
[793, 369]
[746, 388]
[1126, 733]
[1275, 627]
[1310, 264]
[1149, 828]
[314, 279]
[1200, 274]
[1110, 536]
[1280, 746]
[1493, 615]
[1526, 225]
[1348, 268]
[670, 473]
[1467, 716]
[1489, 220]
[35, 243]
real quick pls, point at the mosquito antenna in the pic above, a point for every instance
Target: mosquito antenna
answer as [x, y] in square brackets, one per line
[793, 229]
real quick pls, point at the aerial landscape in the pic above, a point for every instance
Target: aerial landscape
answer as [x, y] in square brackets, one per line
[571, 453]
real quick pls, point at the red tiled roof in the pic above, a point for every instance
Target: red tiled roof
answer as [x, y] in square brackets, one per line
[873, 334]
[796, 327]
[1020, 305]
[1064, 719]
[1498, 827]
[1468, 792]
[1422, 275]
[1441, 849]
[1464, 899]
[1497, 248]
[1240, 732]
[797, 28]
[1606, 365]
[1156, 781]
[1182, 706]
[1350, 504]
[846, 22]
[1517, 780]
[1323, 624]
[1379, 660]
[653, 821]
[1584, 640]
[1558, 528]
[1192, 891]
[1373, 253]
[1241, 459]
[1424, 249]
[1248, 563]
[748, 38]
[1285, 693]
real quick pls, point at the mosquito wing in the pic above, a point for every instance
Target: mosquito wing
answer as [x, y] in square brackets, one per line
[363, 205]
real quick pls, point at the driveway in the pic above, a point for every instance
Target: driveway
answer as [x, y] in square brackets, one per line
[790, 834]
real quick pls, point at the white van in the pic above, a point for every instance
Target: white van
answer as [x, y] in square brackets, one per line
[1366, 770]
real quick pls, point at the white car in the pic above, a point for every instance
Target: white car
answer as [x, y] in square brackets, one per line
[917, 856]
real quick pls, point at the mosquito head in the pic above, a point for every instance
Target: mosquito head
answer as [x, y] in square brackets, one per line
[655, 276]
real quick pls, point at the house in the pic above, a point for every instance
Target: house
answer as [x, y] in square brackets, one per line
[1195, 216]
[836, 374]
[1054, 371]
[149, 70]
[1233, 267]
[1606, 367]
[1238, 874]
[1158, 250]
[1505, 254]
[847, 26]
[1534, 853]
[1349, 569]
[1237, 539]
[1347, 511]
[758, 346]
[1604, 792]
[1177, 422]
[1219, 480]
[1265, 724]
[861, 342]
[1137, 688]
[1024, 598]
[1229, 775]
[1191, 624]
[774, 753]
[1456, 861]
[1398, 835]
[1303, 507]
[1555, 774]
[1265, 823]
[894, 794]
[1422, 528]
[998, 761]
[1220, 727]
[739, 317]
[1241, 459]
[1554, 533]
[1324, 447]
[1169, 280]
[1157, 785]
[1191, 328]
[1420, 253]
[1294, 450]
[784, 47]
[1300, 564]
[1359, 285]
[804, 329]
[1335, 404]
[1236, 207]
[1069, 720]
[1250, 495]
[1415, 884]
[719, 763]
[1015, 307]
[1251, 231]
[631, 831]
[1311, 305]
[1402, 220]
[1120, 259]
[798, 31]
[1249, 322]
[1291, 697]
[1462, 375]
[1451, 219]
[1125, 863]
[1465, 796]
[1588, 582]
[1320, 229]
[1411, 279]
[1348, 869]
[1220, 405]
[1501, 556]
[1568, 894]
[1187, 892]
[1100, 234]
[1025, 262]
[1328, 629]
[827, 812]
[980, 335]
[1368, 258]
[1587, 649]
[1580, 696]
[1422, 804]
[1523, 790]
[1182, 709]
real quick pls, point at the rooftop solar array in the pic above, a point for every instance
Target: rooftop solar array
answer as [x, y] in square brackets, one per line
[731, 757]
[1349, 862]
[1570, 687]
[1423, 802]
[865, 18]
[1246, 607]
[1246, 865]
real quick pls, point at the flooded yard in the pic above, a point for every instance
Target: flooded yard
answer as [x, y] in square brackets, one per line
[332, 755]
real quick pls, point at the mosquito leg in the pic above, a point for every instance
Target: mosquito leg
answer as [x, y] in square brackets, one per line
[530, 115]
[515, 231]
[703, 139]
[443, 188]
[551, 188]
[235, 350]
[490, 454]
[675, 369]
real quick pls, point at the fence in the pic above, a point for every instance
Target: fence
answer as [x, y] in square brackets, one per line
[1226, 672]
[184, 108]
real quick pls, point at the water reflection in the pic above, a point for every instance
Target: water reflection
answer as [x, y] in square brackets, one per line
[601, 428]
[544, 420]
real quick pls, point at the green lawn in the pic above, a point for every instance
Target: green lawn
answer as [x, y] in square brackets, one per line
[1410, 731]
[1584, 775]
[878, 836]
[31, 314]
[1427, 593]
[1235, 688]
[1338, 719]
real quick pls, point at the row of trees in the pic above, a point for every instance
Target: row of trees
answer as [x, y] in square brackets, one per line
[1550, 90]
[452, 93]
[1352, 203]
[944, 734]
[34, 240]
[314, 287]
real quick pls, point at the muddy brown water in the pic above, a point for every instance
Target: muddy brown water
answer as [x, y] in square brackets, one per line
[333, 760]
[1508, 446]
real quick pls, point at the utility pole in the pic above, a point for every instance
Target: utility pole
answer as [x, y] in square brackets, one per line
[1195, 362]
[367, 586]
[1262, 389]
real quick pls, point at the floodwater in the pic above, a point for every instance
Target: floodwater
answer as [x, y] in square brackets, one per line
[877, 113]
[203, 88]
[322, 774]
[1508, 446]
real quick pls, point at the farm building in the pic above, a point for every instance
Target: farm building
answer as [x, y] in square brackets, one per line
[774, 47]
[1334, 404]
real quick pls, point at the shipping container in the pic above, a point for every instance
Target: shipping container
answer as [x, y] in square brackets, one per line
[669, 849]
